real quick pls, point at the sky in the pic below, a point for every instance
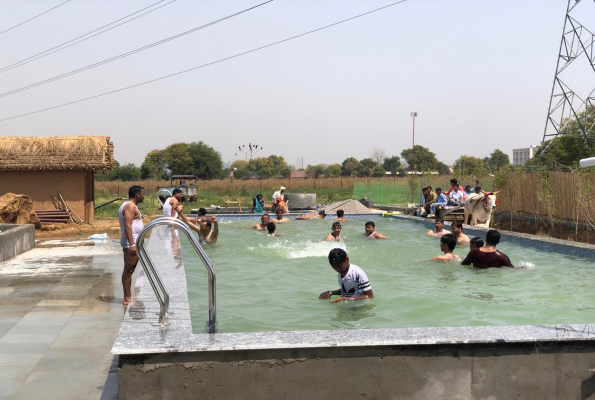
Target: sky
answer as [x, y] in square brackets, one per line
[478, 73]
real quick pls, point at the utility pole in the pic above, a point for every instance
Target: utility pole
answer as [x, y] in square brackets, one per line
[413, 114]
[567, 105]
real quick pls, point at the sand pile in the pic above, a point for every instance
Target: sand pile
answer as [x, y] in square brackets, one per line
[17, 209]
[349, 206]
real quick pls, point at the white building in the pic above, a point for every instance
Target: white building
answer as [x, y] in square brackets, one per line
[521, 156]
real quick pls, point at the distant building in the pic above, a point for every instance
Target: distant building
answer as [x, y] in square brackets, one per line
[298, 174]
[521, 156]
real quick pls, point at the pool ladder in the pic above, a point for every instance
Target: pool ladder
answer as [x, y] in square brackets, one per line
[155, 280]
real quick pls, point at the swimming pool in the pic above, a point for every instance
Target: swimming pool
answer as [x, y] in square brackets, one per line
[272, 283]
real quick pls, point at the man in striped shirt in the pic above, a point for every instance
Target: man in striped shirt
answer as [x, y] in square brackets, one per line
[352, 279]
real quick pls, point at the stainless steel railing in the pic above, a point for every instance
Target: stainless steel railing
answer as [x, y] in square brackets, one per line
[156, 281]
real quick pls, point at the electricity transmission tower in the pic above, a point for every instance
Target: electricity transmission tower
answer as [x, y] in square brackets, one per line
[565, 104]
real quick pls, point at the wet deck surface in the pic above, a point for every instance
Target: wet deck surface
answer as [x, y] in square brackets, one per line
[60, 311]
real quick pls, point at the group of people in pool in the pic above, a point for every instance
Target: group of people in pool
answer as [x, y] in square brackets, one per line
[355, 285]
[266, 224]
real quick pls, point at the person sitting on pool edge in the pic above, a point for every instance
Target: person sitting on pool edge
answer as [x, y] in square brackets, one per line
[488, 256]
[354, 282]
[371, 231]
[475, 243]
[279, 217]
[340, 217]
[457, 230]
[335, 235]
[271, 227]
[321, 214]
[264, 220]
[439, 231]
[448, 243]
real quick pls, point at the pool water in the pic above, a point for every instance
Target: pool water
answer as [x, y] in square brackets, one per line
[272, 283]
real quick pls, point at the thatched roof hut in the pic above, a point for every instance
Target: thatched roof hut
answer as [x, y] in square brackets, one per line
[39, 167]
[56, 153]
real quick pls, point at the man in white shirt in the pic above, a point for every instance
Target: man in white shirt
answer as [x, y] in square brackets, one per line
[456, 196]
[278, 193]
[352, 279]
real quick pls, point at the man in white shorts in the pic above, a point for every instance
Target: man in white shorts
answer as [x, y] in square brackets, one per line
[131, 225]
[353, 280]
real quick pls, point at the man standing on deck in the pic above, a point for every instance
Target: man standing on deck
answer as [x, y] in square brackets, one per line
[131, 224]
[278, 193]
[354, 282]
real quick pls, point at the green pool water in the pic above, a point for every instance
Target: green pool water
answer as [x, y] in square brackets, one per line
[272, 283]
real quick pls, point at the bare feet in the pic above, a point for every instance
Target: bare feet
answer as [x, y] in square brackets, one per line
[126, 301]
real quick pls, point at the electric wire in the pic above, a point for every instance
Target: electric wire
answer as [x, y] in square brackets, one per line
[60, 48]
[129, 53]
[31, 19]
[204, 65]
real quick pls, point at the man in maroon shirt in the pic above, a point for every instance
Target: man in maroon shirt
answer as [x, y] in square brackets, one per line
[488, 256]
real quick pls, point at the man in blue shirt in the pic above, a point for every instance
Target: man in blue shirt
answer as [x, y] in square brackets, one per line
[441, 200]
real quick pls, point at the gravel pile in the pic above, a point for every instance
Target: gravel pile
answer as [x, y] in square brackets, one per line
[349, 206]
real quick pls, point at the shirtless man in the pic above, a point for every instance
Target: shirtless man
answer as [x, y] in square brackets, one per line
[457, 230]
[131, 224]
[340, 214]
[335, 235]
[321, 214]
[439, 231]
[264, 220]
[371, 231]
[279, 217]
[207, 234]
[448, 243]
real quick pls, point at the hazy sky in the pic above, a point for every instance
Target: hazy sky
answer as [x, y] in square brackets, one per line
[478, 72]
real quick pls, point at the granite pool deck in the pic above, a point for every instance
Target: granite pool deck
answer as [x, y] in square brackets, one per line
[60, 312]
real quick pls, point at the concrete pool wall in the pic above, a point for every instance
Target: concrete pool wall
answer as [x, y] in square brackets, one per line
[529, 362]
[15, 239]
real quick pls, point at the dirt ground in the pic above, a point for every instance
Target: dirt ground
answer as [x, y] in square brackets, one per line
[109, 225]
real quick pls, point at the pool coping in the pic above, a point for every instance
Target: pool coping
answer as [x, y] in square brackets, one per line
[140, 334]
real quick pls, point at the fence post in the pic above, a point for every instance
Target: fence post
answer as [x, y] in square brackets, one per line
[314, 182]
[381, 190]
[260, 182]
[341, 181]
[118, 187]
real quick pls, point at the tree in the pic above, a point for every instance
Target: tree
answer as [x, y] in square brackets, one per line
[262, 167]
[366, 166]
[315, 171]
[424, 159]
[178, 159]
[240, 169]
[378, 171]
[392, 164]
[206, 162]
[280, 166]
[333, 171]
[349, 166]
[498, 159]
[467, 165]
[442, 168]
[154, 166]
[378, 155]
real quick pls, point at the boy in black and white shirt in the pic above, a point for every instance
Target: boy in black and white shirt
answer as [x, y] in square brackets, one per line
[353, 280]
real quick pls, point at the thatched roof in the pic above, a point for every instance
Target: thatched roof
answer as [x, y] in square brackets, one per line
[55, 153]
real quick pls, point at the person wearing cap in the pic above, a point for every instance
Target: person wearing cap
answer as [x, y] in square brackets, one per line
[321, 214]
[439, 231]
[276, 195]
[335, 235]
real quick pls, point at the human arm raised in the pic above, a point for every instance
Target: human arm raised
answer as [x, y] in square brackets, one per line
[215, 233]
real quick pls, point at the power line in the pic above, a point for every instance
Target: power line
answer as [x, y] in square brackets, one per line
[202, 66]
[60, 48]
[30, 19]
[138, 50]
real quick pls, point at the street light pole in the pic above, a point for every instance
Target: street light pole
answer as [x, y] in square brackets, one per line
[413, 114]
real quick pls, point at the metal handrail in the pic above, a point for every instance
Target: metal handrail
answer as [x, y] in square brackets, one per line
[155, 279]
